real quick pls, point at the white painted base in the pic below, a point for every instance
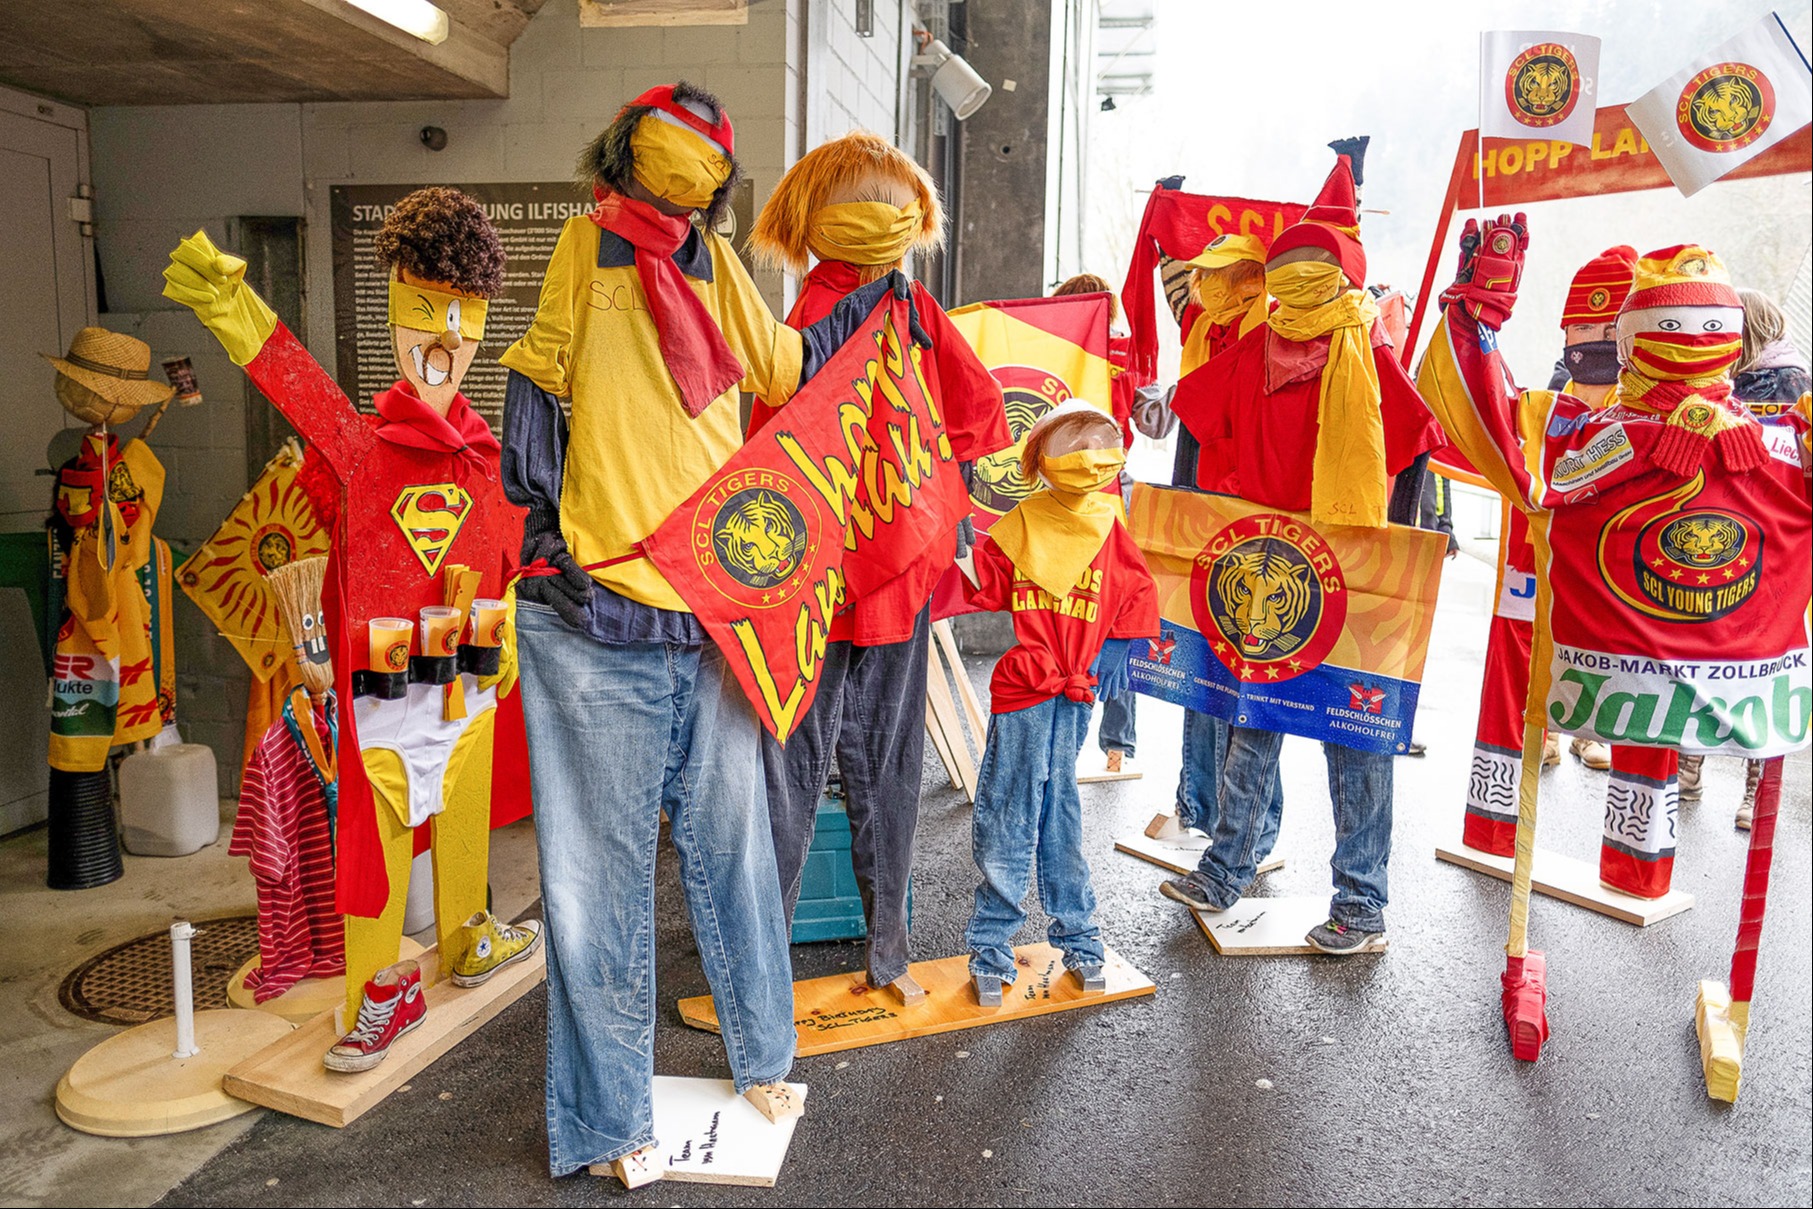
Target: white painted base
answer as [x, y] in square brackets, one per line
[1572, 881]
[1265, 927]
[707, 1134]
[1180, 853]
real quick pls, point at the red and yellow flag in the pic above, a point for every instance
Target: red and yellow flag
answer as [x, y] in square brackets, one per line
[835, 496]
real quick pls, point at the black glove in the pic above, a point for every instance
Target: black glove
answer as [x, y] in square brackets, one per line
[569, 590]
[1354, 148]
[824, 338]
[1169, 182]
[966, 528]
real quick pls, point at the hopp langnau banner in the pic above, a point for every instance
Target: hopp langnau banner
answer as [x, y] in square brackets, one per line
[1271, 623]
[834, 496]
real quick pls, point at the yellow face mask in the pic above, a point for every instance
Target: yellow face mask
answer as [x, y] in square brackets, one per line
[863, 232]
[675, 164]
[1304, 283]
[422, 308]
[1220, 301]
[1082, 470]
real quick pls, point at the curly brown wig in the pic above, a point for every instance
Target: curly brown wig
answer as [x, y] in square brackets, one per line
[441, 235]
[608, 161]
[1090, 283]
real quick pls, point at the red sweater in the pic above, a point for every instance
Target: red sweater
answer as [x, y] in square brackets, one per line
[1253, 407]
[413, 491]
[968, 397]
[1058, 641]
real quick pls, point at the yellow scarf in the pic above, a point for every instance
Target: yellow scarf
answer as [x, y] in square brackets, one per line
[863, 232]
[675, 164]
[1350, 485]
[1053, 535]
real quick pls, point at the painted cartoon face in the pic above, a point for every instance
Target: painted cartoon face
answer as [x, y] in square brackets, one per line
[435, 335]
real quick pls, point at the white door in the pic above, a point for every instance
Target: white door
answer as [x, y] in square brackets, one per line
[47, 282]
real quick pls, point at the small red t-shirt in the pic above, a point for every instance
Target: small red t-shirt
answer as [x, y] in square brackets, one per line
[1253, 407]
[969, 399]
[1058, 640]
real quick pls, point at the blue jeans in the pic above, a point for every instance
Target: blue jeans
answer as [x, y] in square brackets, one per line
[1116, 730]
[1026, 808]
[1359, 782]
[617, 733]
[1205, 746]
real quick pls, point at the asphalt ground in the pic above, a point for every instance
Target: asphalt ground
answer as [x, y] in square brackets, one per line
[1390, 1079]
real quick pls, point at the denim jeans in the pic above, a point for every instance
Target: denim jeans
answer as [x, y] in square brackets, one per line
[617, 733]
[1116, 731]
[1205, 746]
[870, 709]
[1027, 808]
[1359, 782]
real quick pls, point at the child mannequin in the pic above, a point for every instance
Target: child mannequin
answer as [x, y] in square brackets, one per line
[1065, 566]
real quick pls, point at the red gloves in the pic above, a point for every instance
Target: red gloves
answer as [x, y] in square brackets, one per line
[1491, 265]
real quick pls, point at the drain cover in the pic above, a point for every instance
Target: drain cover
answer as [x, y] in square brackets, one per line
[130, 983]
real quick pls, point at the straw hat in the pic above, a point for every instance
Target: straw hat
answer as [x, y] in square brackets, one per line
[114, 366]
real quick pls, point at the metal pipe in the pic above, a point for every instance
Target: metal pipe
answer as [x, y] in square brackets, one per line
[181, 932]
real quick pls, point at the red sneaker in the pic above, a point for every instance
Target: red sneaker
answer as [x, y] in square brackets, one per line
[393, 1005]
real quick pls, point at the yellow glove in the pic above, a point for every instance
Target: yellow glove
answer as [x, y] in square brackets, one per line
[505, 680]
[211, 283]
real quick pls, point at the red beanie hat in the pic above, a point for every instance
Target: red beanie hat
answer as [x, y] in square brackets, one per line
[1600, 287]
[662, 97]
[1684, 275]
[1332, 223]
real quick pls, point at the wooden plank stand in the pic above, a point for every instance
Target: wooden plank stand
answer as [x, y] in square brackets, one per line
[1178, 849]
[842, 1011]
[1266, 927]
[1572, 881]
[288, 1075]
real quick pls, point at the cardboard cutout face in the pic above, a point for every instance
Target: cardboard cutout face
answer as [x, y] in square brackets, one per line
[432, 353]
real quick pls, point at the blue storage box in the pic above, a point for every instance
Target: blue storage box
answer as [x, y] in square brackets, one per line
[830, 906]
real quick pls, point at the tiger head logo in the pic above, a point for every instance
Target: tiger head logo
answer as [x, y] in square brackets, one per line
[759, 536]
[1265, 597]
[999, 485]
[1726, 108]
[1703, 539]
[1543, 86]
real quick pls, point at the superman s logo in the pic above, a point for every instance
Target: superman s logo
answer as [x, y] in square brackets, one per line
[430, 516]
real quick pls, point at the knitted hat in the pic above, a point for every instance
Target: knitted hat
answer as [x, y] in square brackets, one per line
[1599, 288]
[1332, 223]
[1684, 275]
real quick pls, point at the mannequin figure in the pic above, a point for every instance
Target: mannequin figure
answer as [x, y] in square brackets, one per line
[1064, 565]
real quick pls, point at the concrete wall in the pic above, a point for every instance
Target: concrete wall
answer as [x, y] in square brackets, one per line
[161, 172]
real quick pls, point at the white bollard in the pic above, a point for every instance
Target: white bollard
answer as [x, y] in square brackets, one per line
[180, 934]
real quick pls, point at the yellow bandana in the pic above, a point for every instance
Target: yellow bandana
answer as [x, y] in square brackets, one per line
[1053, 535]
[1350, 485]
[863, 232]
[423, 308]
[675, 164]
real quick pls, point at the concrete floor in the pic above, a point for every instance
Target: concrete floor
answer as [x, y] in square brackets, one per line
[1390, 1079]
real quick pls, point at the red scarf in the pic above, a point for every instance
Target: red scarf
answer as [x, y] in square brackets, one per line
[702, 365]
[405, 420]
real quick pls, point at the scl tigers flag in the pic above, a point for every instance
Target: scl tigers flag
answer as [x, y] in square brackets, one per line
[1043, 351]
[1538, 84]
[1728, 106]
[1269, 622]
[837, 494]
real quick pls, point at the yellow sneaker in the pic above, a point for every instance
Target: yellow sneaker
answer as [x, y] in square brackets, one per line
[490, 945]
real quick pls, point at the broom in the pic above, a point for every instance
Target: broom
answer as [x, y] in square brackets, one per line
[297, 586]
[1721, 1016]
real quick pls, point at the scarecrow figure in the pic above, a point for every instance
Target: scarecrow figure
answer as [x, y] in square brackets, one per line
[1671, 538]
[421, 534]
[859, 206]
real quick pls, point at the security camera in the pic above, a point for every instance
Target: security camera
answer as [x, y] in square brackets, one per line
[953, 79]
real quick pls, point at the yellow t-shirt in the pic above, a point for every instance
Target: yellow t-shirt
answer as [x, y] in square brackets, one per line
[633, 455]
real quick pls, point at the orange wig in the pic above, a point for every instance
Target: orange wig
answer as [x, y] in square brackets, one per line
[860, 166]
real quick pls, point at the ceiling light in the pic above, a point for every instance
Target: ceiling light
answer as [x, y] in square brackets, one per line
[417, 18]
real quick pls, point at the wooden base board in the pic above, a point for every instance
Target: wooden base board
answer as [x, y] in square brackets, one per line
[1265, 927]
[843, 1012]
[1180, 855]
[308, 998]
[129, 1086]
[289, 1077]
[1571, 881]
[707, 1134]
[1097, 777]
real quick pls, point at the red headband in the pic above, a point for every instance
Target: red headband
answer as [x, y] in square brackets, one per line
[662, 97]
